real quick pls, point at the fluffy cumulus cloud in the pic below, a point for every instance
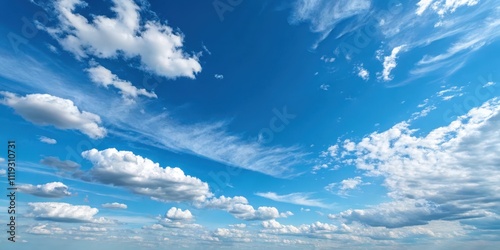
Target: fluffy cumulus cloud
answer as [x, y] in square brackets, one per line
[114, 205]
[363, 73]
[45, 109]
[324, 15]
[390, 63]
[238, 206]
[47, 140]
[178, 214]
[294, 198]
[158, 47]
[49, 190]
[44, 229]
[55, 162]
[64, 212]
[145, 177]
[451, 173]
[104, 77]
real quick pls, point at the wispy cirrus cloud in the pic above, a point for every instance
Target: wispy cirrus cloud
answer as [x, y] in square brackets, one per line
[303, 199]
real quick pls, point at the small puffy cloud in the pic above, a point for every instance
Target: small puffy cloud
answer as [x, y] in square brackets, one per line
[294, 198]
[114, 205]
[55, 162]
[103, 77]
[363, 73]
[390, 63]
[3, 172]
[47, 140]
[64, 212]
[43, 229]
[238, 206]
[156, 45]
[219, 76]
[324, 86]
[327, 59]
[178, 214]
[145, 177]
[342, 188]
[44, 109]
[49, 190]
[240, 225]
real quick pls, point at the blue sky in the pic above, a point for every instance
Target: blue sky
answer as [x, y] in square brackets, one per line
[307, 124]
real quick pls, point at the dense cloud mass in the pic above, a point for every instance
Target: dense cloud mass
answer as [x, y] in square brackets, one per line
[143, 176]
[452, 173]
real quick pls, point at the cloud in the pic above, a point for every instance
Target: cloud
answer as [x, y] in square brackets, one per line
[238, 206]
[178, 214]
[450, 173]
[43, 229]
[390, 63]
[363, 73]
[323, 15]
[489, 84]
[64, 212]
[49, 190]
[324, 87]
[442, 7]
[327, 59]
[44, 109]
[47, 140]
[103, 76]
[114, 205]
[55, 162]
[450, 93]
[219, 76]
[157, 46]
[145, 177]
[294, 198]
[346, 185]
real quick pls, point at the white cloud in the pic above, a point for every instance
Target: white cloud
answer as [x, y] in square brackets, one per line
[442, 7]
[363, 73]
[143, 176]
[450, 93]
[3, 172]
[103, 76]
[48, 190]
[64, 212]
[55, 162]
[489, 84]
[294, 198]
[238, 206]
[44, 109]
[342, 188]
[324, 15]
[178, 214]
[450, 173]
[324, 86]
[390, 63]
[114, 205]
[43, 229]
[47, 140]
[327, 59]
[240, 225]
[219, 76]
[157, 45]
